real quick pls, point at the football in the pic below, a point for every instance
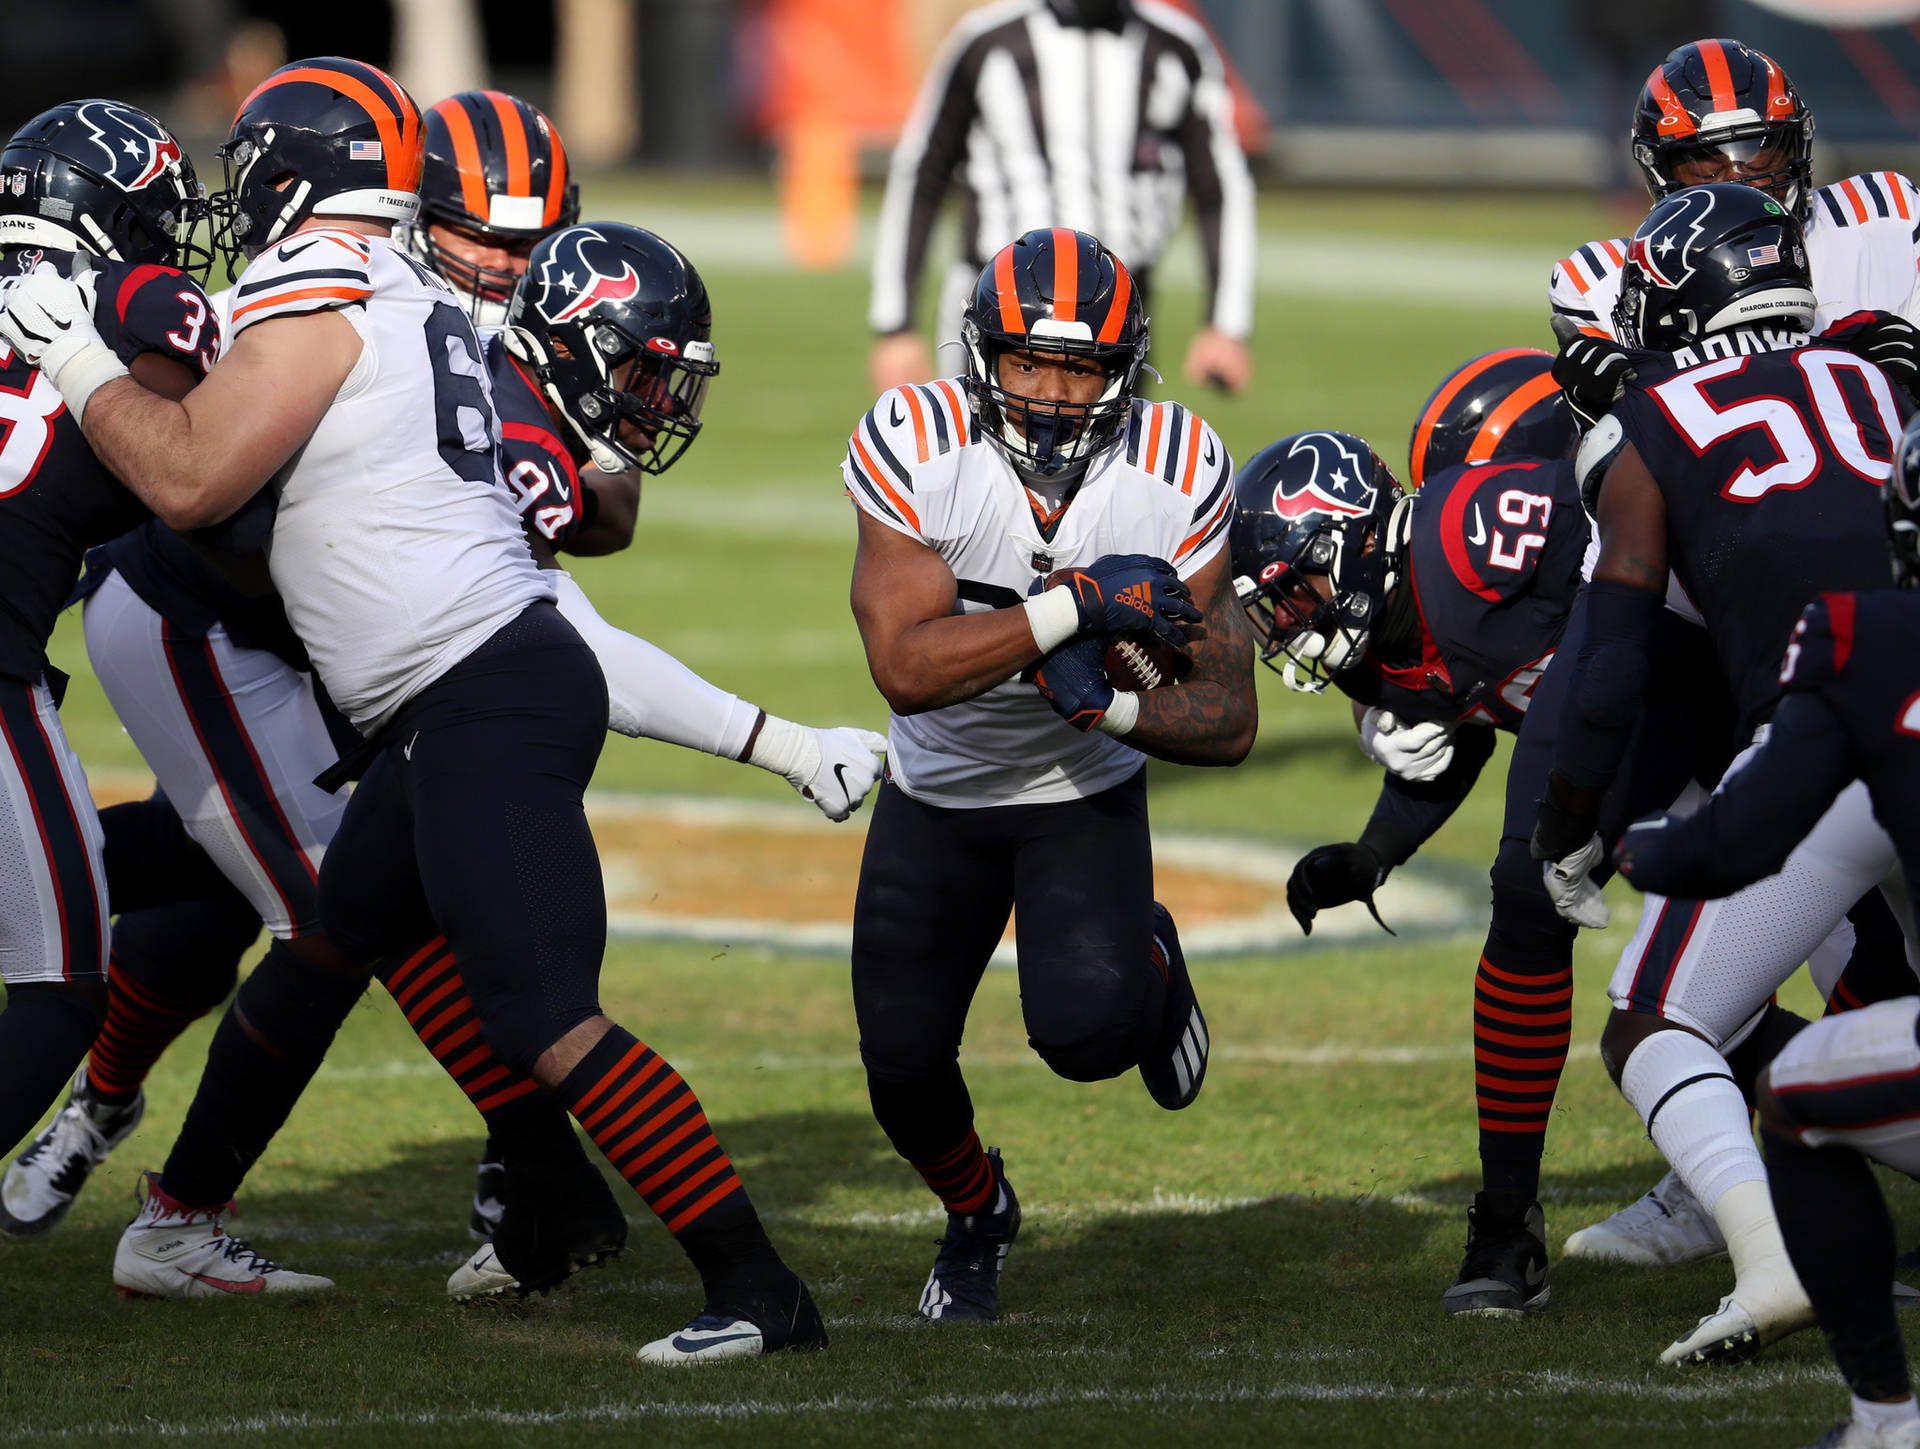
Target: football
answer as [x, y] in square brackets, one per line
[1144, 661]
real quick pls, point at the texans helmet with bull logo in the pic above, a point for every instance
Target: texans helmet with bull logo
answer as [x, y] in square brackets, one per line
[1316, 539]
[104, 178]
[616, 325]
[1709, 258]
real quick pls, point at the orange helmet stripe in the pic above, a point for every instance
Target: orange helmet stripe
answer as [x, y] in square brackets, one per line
[1066, 275]
[1503, 417]
[556, 173]
[513, 131]
[1674, 120]
[1444, 398]
[1117, 310]
[1011, 318]
[392, 147]
[412, 149]
[1714, 55]
[466, 156]
[1779, 107]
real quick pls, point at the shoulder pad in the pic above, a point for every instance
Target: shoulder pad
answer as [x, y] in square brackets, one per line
[896, 435]
[1174, 445]
[1821, 643]
[1868, 197]
[308, 272]
[1604, 442]
[1205, 476]
[1577, 275]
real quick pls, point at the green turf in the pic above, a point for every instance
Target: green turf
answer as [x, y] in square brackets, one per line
[1262, 1269]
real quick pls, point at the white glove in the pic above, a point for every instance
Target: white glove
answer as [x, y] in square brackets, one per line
[48, 320]
[1570, 884]
[1418, 751]
[833, 768]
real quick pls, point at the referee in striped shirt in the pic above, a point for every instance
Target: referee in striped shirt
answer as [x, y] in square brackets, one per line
[1094, 114]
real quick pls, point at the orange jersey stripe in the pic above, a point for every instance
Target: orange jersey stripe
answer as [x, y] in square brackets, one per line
[513, 131]
[1423, 430]
[1614, 252]
[1117, 311]
[1719, 77]
[1011, 318]
[1580, 284]
[1193, 539]
[466, 156]
[919, 421]
[1153, 437]
[875, 475]
[307, 294]
[1854, 196]
[957, 409]
[1193, 457]
[1509, 411]
[1066, 275]
[1899, 197]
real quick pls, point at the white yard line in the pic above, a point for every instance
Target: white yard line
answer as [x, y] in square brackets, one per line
[1632, 1392]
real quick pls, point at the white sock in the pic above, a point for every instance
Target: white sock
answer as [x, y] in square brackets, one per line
[1702, 1127]
[1880, 1417]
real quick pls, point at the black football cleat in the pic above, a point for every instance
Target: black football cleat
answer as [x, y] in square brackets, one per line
[1174, 1070]
[555, 1223]
[1505, 1271]
[750, 1311]
[964, 1286]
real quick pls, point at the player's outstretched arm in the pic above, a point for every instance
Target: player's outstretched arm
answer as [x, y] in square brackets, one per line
[1212, 718]
[922, 654]
[651, 695]
[1747, 829]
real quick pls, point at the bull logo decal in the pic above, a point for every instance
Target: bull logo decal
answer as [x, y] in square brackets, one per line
[1336, 480]
[134, 147]
[578, 272]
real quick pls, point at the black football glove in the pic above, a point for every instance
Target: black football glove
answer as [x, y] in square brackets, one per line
[1331, 875]
[1127, 593]
[1073, 679]
[1591, 371]
[1884, 338]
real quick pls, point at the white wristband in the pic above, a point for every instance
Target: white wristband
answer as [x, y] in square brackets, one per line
[1054, 618]
[1122, 715]
[85, 373]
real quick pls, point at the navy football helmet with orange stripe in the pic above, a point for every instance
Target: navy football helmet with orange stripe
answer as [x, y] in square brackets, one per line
[1319, 528]
[1497, 406]
[496, 174]
[104, 178]
[1717, 110]
[616, 325]
[324, 137]
[1061, 295]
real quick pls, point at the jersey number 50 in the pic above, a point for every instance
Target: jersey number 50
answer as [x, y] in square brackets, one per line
[1703, 422]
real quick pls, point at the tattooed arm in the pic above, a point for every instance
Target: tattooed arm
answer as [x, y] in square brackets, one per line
[1212, 717]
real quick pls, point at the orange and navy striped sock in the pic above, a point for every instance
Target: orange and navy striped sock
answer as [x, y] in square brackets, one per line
[650, 1126]
[1522, 1025]
[962, 1178]
[141, 1024]
[427, 986]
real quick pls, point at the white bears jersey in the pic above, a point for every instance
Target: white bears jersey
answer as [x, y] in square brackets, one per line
[1863, 245]
[918, 464]
[396, 547]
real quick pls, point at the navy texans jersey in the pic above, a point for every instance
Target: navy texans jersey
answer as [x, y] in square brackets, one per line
[1770, 463]
[1493, 559]
[1850, 711]
[534, 459]
[56, 498]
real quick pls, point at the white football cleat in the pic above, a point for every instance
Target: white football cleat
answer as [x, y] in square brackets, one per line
[43, 1182]
[481, 1276]
[1737, 1329]
[171, 1250]
[750, 1311]
[1854, 1435]
[1662, 1229]
[706, 1340]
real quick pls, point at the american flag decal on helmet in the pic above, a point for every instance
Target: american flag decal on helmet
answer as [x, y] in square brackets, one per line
[363, 151]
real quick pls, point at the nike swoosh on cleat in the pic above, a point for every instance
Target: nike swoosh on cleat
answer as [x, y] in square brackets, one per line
[686, 1345]
[227, 1285]
[1536, 1274]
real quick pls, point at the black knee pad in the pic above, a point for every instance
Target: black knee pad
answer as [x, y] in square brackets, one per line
[189, 953]
[294, 1007]
[1093, 1019]
[1525, 925]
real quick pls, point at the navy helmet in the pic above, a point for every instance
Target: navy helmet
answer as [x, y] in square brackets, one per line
[1318, 533]
[1731, 107]
[1496, 406]
[1708, 259]
[616, 326]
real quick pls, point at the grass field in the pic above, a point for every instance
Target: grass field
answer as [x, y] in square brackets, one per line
[1264, 1268]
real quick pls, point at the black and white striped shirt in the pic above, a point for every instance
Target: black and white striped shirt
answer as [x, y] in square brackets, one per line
[1059, 125]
